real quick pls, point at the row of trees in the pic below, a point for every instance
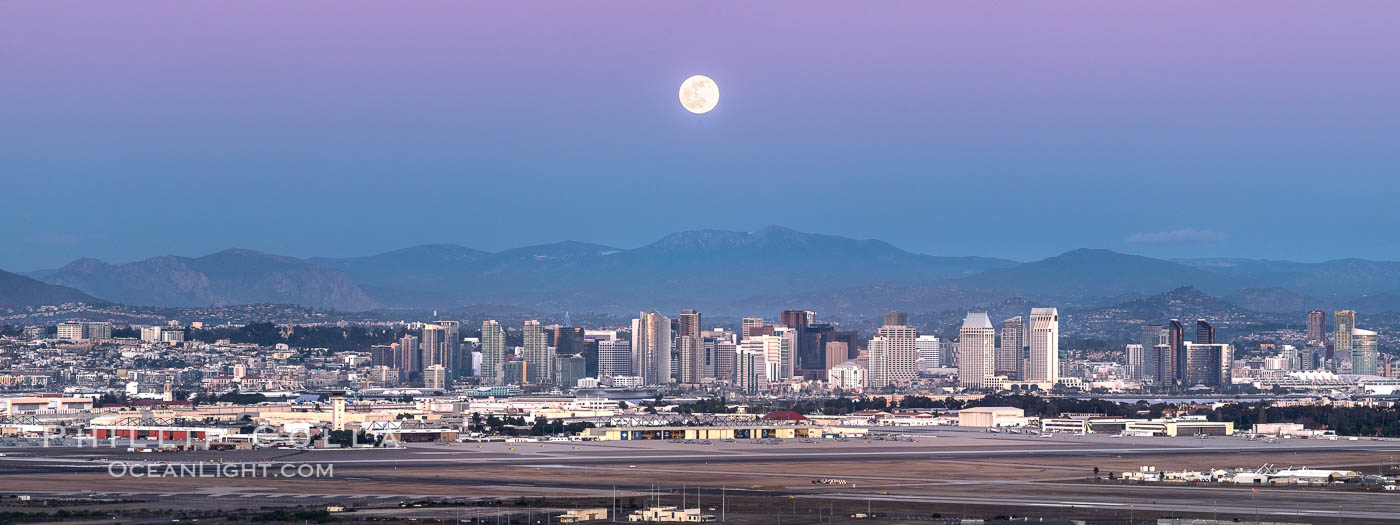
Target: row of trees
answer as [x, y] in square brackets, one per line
[515, 425]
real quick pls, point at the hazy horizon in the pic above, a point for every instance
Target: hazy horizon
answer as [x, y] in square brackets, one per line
[1251, 129]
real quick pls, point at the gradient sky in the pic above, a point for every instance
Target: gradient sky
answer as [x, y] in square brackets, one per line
[1259, 129]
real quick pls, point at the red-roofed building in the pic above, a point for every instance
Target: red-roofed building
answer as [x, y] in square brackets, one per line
[784, 415]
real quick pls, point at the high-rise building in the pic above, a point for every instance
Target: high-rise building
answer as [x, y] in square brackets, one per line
[435, 376]
[536, 353]
[754, 326]
[1013, 341]
[570, 340]
[1317, 328]
[452, 358]
[813, 339]
[927, 348]
[515, 372]
[85, 330]
[690, 346]
[1312, 357]
[877, 363]
[493, 353]
[1133, 361]
[977, 342]
[1044, 362]
[70, 331]
[796, 321]
[1365, 352]
[382, 355]
[410, 356]
[1151, 336]
[836, 353]
[434, 345]
[692, 360]
[570, 370]
[1205, 333]
[852, 340]
[896, 318]
[709, 347]
[651, 348]
[688, 324]
[724, 360]
[95, 330]
[614, 358]
[1175, 363]
[1163, 360]
[1294, 357]
[1207, 364]
[1343, 321]
[777, 355]
[750, 373]
[901, 352]
[846, 376]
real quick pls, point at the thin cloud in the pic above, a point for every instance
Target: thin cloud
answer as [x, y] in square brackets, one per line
[1181, 236]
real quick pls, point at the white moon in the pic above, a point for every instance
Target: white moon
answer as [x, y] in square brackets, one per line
[699, 94]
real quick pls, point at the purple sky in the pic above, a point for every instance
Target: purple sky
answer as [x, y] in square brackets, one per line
[1251, 129]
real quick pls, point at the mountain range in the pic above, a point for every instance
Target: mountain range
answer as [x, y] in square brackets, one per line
[228, 277]
[18, 290]
[725, 272]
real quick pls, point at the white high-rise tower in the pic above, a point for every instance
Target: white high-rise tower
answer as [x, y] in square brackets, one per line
[651, 348]
[977, 346]
[493, 353]
[1044, 363]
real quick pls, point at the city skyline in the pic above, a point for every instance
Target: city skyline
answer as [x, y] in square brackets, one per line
[298, 135]
[719, 262]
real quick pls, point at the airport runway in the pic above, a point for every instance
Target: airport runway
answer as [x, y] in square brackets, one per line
[941, 469]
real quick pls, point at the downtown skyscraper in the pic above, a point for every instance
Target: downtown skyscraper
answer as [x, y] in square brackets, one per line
[1010, 353]
[493, 353]
[1152, 338]
[539, 359]
[614, 358]
[1043, 365]
[901, 353]
[1343, 321]
[977, 344]
[1171, 365]
[433, 342]
[651, 348]
[1365, 352]
[1317, 328]
[691, 347]
[1205, 333]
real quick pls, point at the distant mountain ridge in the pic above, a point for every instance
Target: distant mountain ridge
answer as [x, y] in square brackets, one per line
[1086, 273]
[704, 266]
[18, 290]
[233, 276]
[720, 271]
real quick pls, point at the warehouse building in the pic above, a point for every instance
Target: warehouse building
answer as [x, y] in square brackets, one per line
[992, 417]
[1088, 424]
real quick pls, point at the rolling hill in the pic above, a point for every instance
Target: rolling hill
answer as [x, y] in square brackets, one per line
[18, 290]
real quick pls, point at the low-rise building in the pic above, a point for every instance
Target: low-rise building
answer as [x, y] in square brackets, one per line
[670, 515]
[1092, 424]
[991, 417]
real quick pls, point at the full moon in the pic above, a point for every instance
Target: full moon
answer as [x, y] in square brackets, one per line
[699, 94]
